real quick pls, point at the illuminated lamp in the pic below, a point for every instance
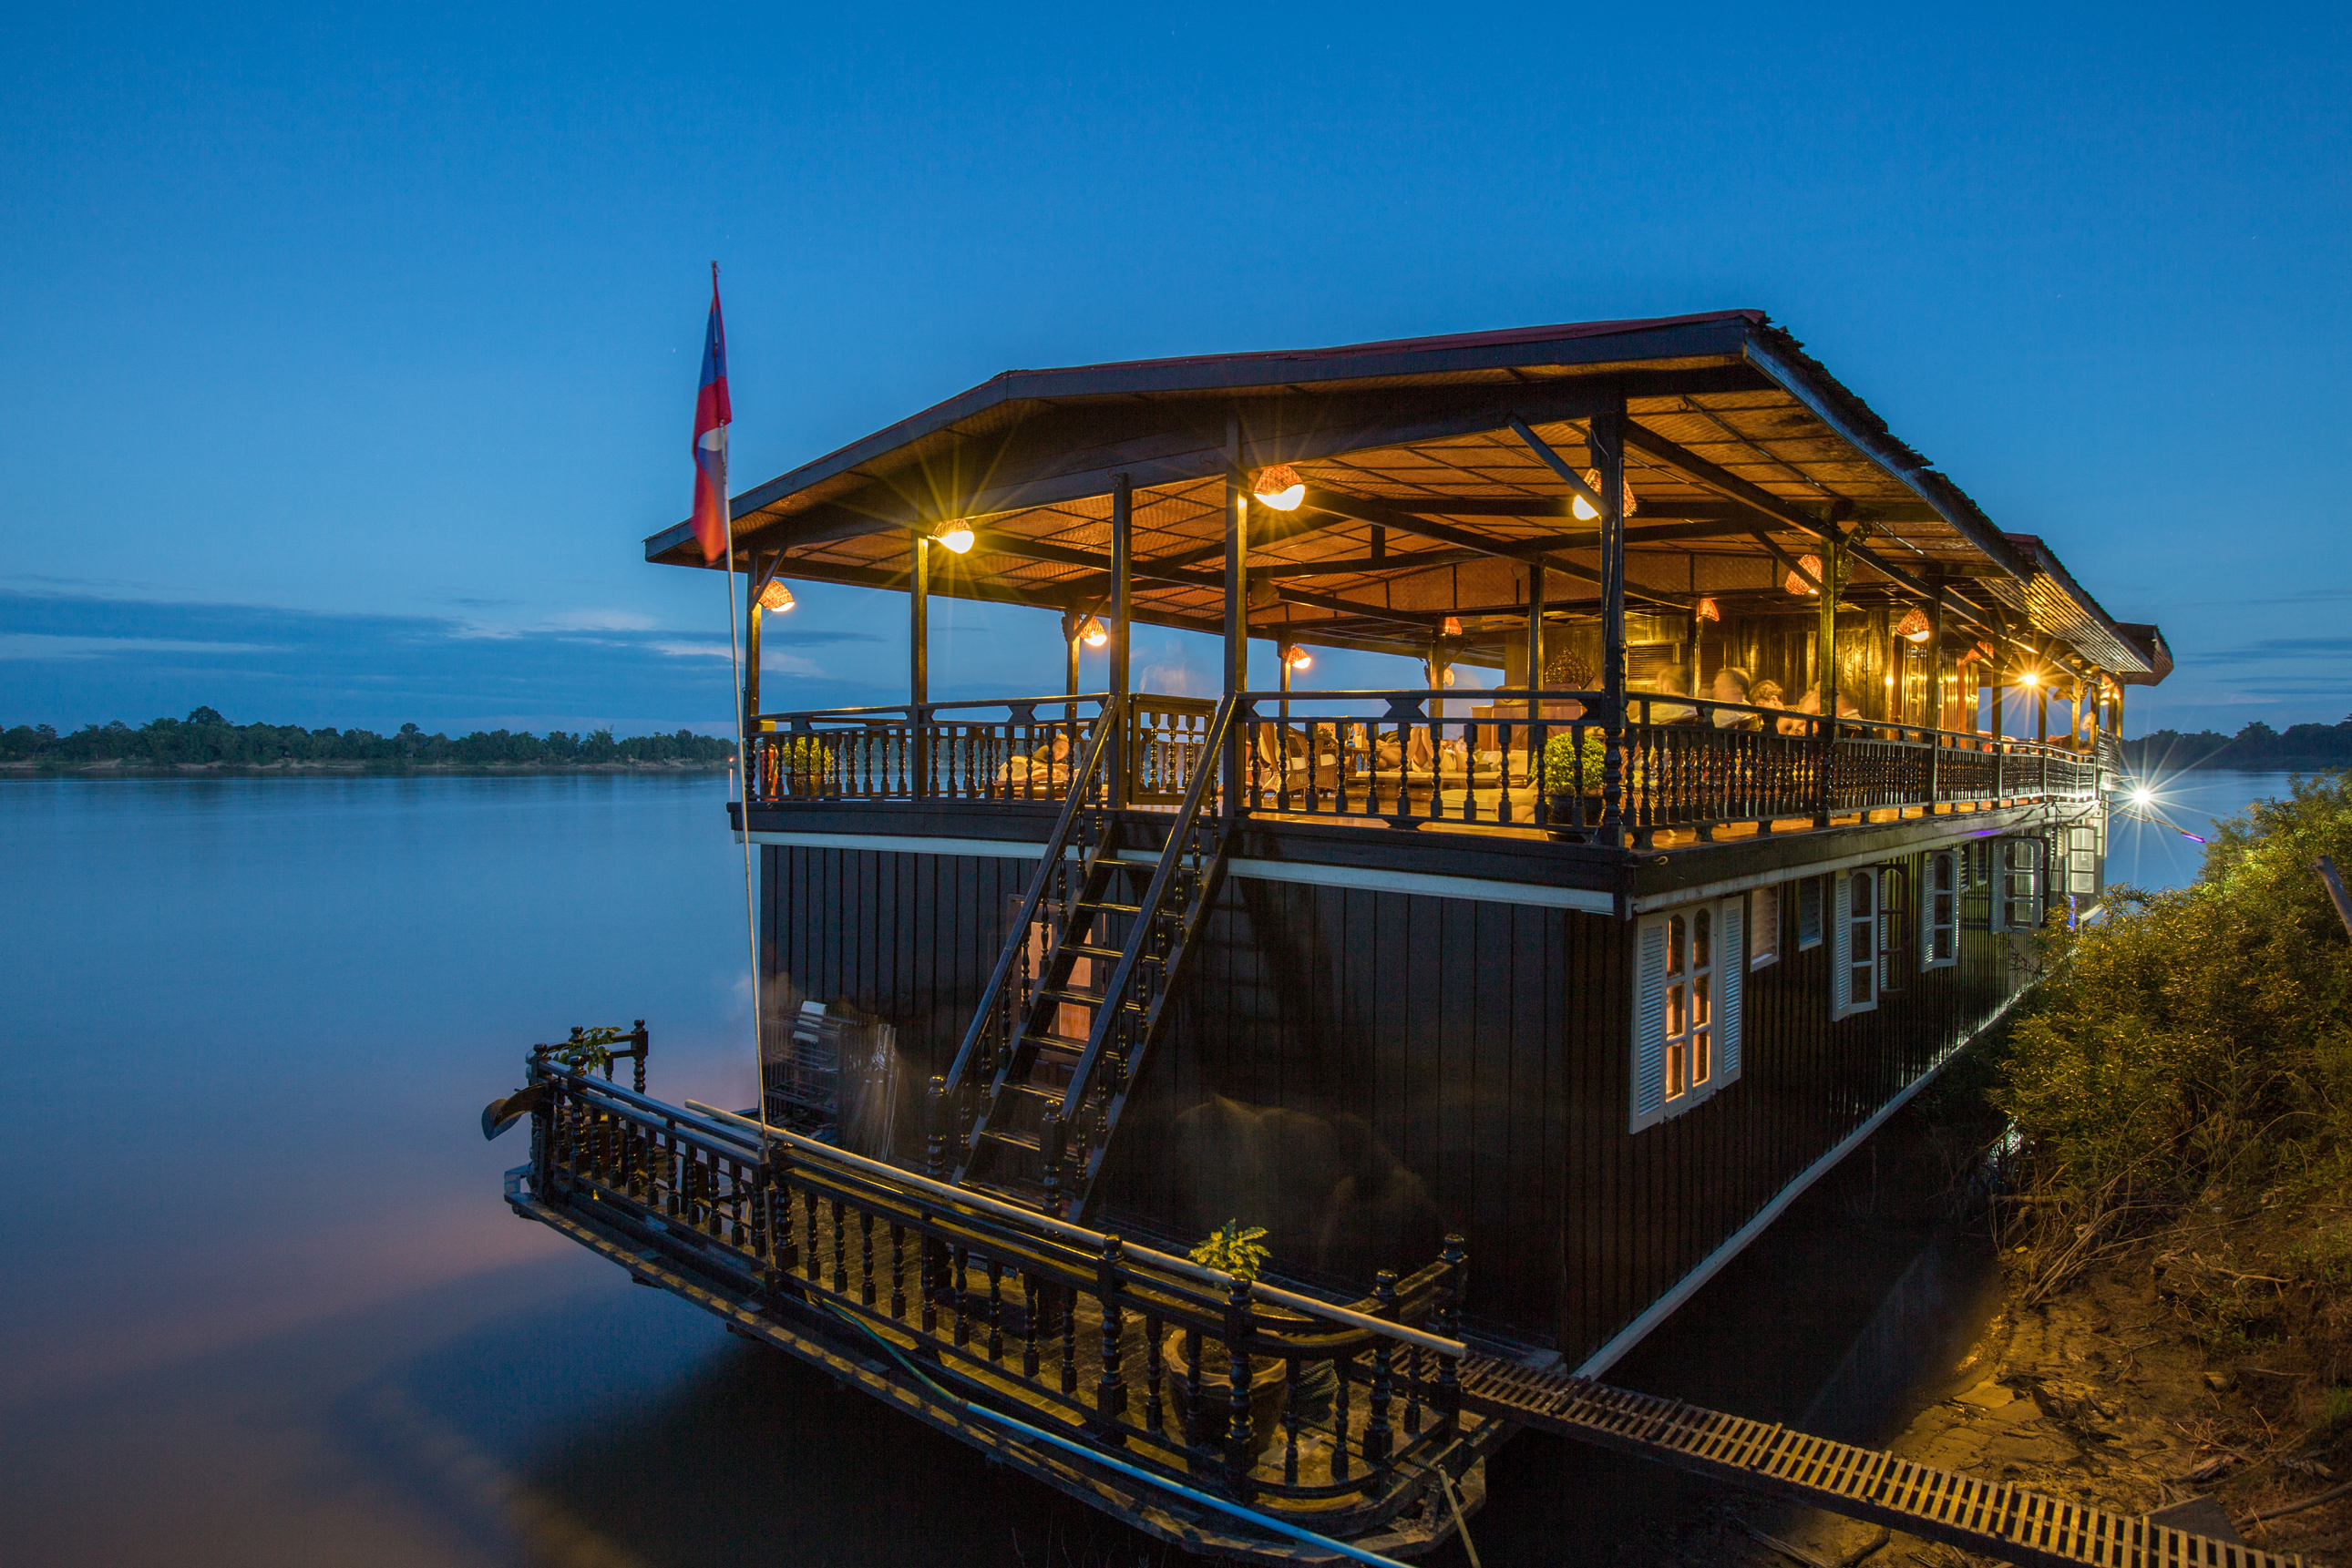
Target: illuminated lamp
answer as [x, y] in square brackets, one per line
[956, 534]
[1585, 511]
[1092, 633]
[776, 596]
[1452, 627]
[1449, 674]
[1709, 610]
[1279, 487]
[1914, 627]
[1296, 657]
[1798, 585]
[2029, 678]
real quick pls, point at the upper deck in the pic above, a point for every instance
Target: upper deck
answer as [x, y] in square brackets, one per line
[1415, 790]
[1737, 624]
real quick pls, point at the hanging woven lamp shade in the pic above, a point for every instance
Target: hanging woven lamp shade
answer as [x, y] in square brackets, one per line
[1798, 585]
[1279, 487]
[1585, 511]
[1914, 627]
[776, 596]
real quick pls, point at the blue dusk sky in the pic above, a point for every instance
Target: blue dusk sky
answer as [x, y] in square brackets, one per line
[351, 353]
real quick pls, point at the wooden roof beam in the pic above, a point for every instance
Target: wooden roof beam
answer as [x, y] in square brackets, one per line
[1388, 515]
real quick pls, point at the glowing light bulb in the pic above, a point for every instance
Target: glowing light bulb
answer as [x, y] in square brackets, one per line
[2142, 796]
[2029, 679]
[1584, 510]
[1092, 633]
[1298, 658]
[956, 535]
[1279, 487]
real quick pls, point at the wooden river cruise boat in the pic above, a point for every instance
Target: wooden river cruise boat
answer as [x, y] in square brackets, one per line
[1509, 1014]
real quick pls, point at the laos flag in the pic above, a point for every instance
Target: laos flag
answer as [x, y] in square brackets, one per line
[712, 416]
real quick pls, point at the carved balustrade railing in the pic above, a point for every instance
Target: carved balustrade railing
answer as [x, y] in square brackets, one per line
[1020, 750]
[1553, 759]
[1549, 759]
[1344, 1411]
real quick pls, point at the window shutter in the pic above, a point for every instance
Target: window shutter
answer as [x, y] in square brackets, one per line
[1730, 988]
[1649, 1021]
[1841, 938]
[1809, 912]
[1930, 881]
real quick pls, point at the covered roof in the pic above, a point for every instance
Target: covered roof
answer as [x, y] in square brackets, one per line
[1425, 499]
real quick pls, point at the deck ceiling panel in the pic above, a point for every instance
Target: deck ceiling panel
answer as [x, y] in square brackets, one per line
[1735, 462]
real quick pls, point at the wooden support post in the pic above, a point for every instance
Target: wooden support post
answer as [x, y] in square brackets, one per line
[1936, 699]
[918, 664]
[753, 616]
[1122, 566]
[1072, 619]
[1236, 671]
[1605, 439]
[1825, 674]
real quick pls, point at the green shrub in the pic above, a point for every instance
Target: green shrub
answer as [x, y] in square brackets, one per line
[2198, 1041]
[1233, 1250]
[1563, 758]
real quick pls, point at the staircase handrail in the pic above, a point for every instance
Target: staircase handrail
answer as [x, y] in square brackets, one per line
[1057, 844]
[1113, 994]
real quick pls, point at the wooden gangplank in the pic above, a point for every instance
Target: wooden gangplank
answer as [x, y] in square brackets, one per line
[1990, 1518]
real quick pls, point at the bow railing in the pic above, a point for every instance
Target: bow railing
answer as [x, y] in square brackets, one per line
[1347, 1412]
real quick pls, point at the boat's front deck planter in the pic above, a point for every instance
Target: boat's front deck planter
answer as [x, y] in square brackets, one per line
[964, 1310]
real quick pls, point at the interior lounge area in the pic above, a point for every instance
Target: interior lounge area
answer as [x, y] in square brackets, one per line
[1646, 532]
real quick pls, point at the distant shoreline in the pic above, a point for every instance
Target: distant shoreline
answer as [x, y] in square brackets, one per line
[122, 770]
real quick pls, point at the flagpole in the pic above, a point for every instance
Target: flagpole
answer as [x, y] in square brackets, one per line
[735, 789]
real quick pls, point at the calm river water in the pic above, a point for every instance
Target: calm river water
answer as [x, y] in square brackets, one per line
[264, 1304]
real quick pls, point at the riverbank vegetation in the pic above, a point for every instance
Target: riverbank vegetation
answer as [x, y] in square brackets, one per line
[205, 740]
[2181, 1087]
[2256, 748]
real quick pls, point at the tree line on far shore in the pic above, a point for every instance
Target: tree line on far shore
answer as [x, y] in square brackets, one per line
[205, 736]
[2257, 748]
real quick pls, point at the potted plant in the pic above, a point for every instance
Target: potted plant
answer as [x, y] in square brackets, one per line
[803, 760]
[1570, 769]
[1240, 1251]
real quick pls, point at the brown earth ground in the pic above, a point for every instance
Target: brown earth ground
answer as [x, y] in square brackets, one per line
[2208, 1359]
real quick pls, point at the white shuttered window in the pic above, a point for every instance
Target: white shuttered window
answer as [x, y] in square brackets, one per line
[1939, 912]
[1689, 969]
[1853, 941]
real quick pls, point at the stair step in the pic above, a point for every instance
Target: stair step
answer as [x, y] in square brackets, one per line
[1018, 1140]
[1040, 1092]
[1086, 999]
[1090, 950]
[1109, 908]
[1061, 1042]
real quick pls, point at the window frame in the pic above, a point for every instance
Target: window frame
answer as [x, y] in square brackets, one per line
[1848, 929]
[1812, 890]
[1763, 931]
[1944, 923]
[1715, 1029]
[2003, 883]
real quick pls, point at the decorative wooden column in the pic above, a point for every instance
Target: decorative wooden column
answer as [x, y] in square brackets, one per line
[1535, 660]
[1236, 671]
[753, 617]
[1122, 564]
[1825, 660]
[1936, 713]
[1605, 443]
[919, 664]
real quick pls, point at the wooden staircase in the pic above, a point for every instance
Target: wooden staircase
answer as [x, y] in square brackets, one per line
[1085, 985]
